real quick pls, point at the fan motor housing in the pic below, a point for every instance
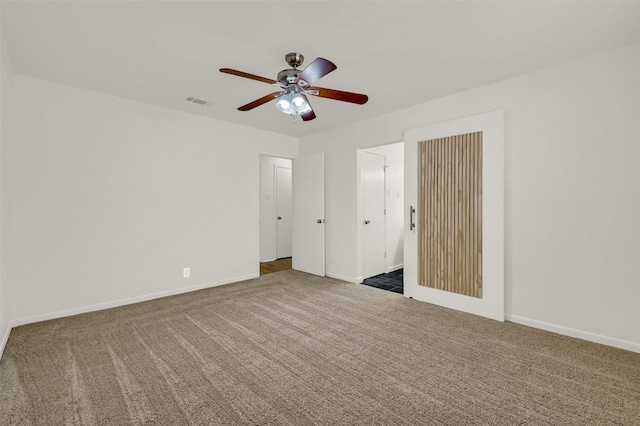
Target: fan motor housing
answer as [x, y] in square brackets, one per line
[288, 76]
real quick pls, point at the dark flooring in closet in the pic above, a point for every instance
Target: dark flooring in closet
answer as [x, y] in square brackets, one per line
[393, 281]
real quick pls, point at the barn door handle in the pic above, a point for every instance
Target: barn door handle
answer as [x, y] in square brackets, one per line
[412, 223]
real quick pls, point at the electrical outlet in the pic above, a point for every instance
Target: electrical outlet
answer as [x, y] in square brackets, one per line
[186, 272]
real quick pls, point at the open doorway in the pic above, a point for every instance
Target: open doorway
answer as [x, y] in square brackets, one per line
[381, 207]
[276, 216]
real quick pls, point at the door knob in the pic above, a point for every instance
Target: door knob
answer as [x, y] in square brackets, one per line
[366, 222]
[319, 221]
[279, 217]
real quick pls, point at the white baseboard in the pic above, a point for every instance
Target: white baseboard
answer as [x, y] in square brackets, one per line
[5, 339]
[127, 301]
[395, 267]
[343, 278]
[571, 332]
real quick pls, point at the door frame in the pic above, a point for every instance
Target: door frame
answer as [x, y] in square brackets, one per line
[362, 245]
[277, 209]
[492, 304]
[360, 211]
[260, 204]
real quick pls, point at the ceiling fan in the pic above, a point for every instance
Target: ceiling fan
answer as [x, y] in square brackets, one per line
[295, 85]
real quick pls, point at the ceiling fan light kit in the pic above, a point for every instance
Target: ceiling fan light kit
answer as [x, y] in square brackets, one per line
[295, 85]
[293, 104]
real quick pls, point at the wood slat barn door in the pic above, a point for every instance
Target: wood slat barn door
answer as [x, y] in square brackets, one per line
[450, 214]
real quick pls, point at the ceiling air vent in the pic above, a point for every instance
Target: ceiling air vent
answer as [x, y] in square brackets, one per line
[198, 101]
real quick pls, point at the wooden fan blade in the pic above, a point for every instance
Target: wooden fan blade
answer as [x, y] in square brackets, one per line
[339, 95]
[307, 116]
[316, 70]
[258, 102]
[247, 75]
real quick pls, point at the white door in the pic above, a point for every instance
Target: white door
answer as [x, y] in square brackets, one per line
[284, 212]
[491, 304]
[308, 214]
[373, 191]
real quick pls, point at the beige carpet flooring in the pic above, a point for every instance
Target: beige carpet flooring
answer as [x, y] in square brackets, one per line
[293, 349]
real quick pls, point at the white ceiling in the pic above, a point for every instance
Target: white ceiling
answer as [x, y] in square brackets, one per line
[399, 53]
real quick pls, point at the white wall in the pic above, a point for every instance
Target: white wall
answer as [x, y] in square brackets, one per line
[105, 200]
[572, 142]
[109, 199]
[268, 225]
[394, 204]
[6, 98]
